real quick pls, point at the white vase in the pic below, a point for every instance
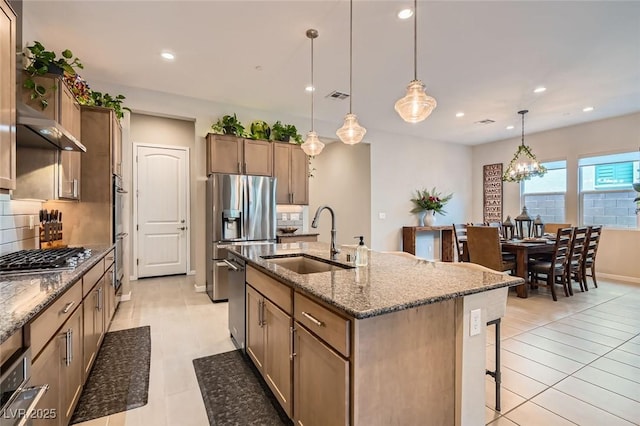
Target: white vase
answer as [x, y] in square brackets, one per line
[430, 218]
[421, 216]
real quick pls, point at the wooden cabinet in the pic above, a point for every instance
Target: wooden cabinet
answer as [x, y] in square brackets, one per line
[69, 175]
[284, 239]
[46, 370]
[255, 332]
[233, 155]
[7, 97]
[102, 135]
[291, 167]
[94, 324]
[321, 382]
[109, 296]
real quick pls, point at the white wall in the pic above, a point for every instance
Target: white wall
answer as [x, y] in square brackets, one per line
[619, 249]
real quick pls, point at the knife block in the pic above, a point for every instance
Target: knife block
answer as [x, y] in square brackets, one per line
[50, 232]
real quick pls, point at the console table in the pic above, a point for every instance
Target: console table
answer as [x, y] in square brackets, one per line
[446, 239]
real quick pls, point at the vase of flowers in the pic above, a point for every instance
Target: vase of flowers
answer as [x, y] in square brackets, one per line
[427, 204]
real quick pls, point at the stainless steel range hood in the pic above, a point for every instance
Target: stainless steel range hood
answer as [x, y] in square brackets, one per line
[34, 130]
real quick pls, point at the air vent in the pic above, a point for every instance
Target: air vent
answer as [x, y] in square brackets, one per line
[485, 121]
[337, 95]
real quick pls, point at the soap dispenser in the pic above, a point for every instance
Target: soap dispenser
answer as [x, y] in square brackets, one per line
[362, 253]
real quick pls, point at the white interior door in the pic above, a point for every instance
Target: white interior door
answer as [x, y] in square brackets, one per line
[162, 211]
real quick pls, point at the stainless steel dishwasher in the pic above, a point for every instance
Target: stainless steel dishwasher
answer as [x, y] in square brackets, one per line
[237, 302]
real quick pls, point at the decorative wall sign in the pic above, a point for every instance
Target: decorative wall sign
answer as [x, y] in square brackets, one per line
[492, 193]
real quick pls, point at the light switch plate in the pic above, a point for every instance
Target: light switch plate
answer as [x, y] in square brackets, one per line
[284, 216]
[295, 216]
[382, 215]
[475, 322]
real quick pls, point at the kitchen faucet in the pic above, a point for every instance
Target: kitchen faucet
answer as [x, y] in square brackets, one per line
[314, 224]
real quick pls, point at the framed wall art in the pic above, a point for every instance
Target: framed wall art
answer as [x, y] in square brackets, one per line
[492, 193]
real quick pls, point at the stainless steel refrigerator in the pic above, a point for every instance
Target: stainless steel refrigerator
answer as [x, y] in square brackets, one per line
[240, 209]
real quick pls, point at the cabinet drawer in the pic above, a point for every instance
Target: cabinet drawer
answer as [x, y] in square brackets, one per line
[92, 277]
[46, 324]
[109, 259]
[10, 346]
[327, 325]
[277, 292]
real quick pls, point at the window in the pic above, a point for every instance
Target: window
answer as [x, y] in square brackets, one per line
[545, 195]
[606, 192]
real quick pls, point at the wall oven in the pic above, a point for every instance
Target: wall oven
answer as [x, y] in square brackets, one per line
[118, 230]
[19, 400]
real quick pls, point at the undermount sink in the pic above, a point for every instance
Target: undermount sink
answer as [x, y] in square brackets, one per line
[302, 264]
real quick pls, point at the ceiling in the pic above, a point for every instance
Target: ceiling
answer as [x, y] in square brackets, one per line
[484, 58]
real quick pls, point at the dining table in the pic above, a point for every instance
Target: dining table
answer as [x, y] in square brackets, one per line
[522, 249]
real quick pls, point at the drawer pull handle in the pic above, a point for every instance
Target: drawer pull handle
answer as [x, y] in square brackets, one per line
[313, 320]
[67, 307]
[292, 331]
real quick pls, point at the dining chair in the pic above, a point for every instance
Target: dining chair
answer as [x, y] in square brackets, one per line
[552, 228]
[459, 235]
[589, 255]
[483, 245]
[574, 262]
[555, 269]
[496, 225]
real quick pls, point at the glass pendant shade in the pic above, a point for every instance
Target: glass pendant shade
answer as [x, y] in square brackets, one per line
[312, 145]
[351, 131]
[416, 105]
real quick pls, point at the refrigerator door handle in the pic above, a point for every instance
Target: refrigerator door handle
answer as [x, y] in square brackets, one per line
[230, 265]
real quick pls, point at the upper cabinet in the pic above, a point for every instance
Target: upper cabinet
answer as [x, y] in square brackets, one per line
[291, 167]
[234, 155]
[7, 97]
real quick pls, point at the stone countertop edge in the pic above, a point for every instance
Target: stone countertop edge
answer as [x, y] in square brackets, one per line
[297, 234]
[15, 313]
[380, 289]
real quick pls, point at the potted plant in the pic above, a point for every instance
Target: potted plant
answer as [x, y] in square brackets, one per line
[108, 101]
[40, 62]
[285, 132]
[260, 130]
[427, 203]
[228, 125]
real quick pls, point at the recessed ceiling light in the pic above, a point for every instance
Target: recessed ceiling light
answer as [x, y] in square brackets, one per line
[405, 13]
[168, 56]
[587, 109]
[310, 88]
[510, 127]
[539, 89]
[460, 114]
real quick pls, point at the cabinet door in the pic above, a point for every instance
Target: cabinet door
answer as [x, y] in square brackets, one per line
[109, 297]
[69, 185]
[255, 327]
[321, 382]
[224, 154]
[7, 97]
[299, 176]
[258, 157]
[281, 167]
[72, 371]
[116, 145]
[46, 371]
[69, 111]
[89, 341]
[278, 350]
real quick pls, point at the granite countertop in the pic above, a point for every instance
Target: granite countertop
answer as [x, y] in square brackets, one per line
[22, 297]
[389, 283]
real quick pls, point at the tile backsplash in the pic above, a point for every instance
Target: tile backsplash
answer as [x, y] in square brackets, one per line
[15, 219]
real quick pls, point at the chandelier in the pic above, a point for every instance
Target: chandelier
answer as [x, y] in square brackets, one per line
[524, 164]
[351, 132]
[416, 105]
[312, 145]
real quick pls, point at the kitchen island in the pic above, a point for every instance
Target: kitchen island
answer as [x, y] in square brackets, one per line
[388, 343]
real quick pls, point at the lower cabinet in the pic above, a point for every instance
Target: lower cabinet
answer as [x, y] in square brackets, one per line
[109, 296]
[60, 366]
[94, 324]
[270, 345]
[321, 380]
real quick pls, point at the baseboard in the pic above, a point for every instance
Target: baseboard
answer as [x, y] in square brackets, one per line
[191, 273]
[199, 288]
[125, 297]
[133, 278]
[634, 280]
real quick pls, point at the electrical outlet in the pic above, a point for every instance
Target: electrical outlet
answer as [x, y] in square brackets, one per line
[32, 221]
[295, 216]
[475, 322]
[382, 215]
[284, 216]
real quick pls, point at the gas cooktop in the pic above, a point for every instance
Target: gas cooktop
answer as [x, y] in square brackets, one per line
[42, 260]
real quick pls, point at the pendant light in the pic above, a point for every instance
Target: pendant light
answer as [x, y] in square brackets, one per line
[312, 145]
[351, 131]
[416, 105]
[524, 164]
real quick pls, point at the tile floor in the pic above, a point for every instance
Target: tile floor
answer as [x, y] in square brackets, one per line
[575, 361]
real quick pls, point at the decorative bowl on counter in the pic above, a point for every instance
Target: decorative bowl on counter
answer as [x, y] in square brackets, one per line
[288, 229]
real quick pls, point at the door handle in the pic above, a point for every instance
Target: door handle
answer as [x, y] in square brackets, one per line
[230, 265]
[313, 320]
[239, 170]
[67, 307]
[292, 331]
[75, 187]
[182, 228]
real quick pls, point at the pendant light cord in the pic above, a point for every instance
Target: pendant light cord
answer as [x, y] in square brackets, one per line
[313, 88]
[415, 39]
[523, 113]
[350, 55]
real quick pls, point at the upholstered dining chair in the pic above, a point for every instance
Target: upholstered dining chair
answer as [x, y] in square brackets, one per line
[574, 262]
[555, 269]
[552, 228]
[483, 245]
[460, 234]
[589, 255]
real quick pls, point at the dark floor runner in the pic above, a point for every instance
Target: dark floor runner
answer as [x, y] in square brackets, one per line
[233, 393]
[119, 379]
